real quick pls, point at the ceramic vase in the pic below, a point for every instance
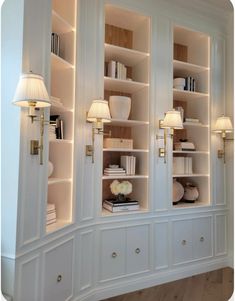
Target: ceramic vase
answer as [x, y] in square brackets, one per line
[178, 191]
[50, 168]
[120, 107]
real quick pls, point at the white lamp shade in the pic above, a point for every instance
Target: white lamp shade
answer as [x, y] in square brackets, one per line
[223, 124]
[31, 89]
[172, 120]
[99, 111]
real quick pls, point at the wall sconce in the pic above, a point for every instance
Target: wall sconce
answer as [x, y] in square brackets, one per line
[171, 121]
[31, 93]
[223, 126]
[98, 114]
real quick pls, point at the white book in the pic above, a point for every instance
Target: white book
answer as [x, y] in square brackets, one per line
[50, 206]
[134, 164]
[121, 208]
[112, 69]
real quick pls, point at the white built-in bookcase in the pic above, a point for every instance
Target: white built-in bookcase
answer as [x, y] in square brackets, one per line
[196, 105]
[60, 184]
[127, 41]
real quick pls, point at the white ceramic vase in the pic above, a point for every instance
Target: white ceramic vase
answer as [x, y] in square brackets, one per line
[50, 168]
[120, 106]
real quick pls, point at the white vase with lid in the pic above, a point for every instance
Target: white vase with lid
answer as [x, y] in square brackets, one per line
[120, 106]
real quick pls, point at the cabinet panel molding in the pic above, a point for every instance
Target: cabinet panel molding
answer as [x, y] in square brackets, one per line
[220, 234]
[161, 245]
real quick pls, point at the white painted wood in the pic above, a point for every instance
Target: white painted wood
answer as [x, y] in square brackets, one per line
[202, 237]
[28, 286]
[120, 85]
[113, 253]
[180, 66]
[126, 56]
[86, 261]
[59, 25]
[182, 241]
[137, 257]
[54, 266]
[187, 95]
[220, 234]
[161, 245]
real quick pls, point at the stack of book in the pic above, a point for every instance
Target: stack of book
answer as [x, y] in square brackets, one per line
[55, 43]
[113, 205]
[51, 214]
[117, 70]
[117, 171]
[58, 125]
[128, 163]
[192, 120]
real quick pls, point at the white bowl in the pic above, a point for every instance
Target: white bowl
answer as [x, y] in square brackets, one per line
[179, 87]
[120, 106]
[179, 81]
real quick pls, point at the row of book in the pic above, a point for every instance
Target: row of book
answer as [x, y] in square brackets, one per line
[128, 163]
[190, 84]
[113, 205]
[192, 120]
[55, 43]
[51, 214]
[117, 70]
[56, 125]
[182, 165]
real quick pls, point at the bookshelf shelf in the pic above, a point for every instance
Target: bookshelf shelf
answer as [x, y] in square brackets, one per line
[191, 152]
[185, 68]
[52, 181]
[61, 141]
[188, 95]
[129, 57]
[125, 150]
[57, 226]
[60, 25]
[128, 123]
[189, 124]
[106, 213]
[59, 63]
[127, 86]
[189, 175]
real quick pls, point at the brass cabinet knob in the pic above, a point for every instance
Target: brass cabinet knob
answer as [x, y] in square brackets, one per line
[59, 278]
[114, 254]
[184, 242]
[202, 239]
[137, 250]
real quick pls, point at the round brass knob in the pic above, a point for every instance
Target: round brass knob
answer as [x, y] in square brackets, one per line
[59, 278]
[137, 251]
[114, 254]
[202, 239]
[184, 242]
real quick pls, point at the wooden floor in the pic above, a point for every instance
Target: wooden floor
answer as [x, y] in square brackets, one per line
[213, 286]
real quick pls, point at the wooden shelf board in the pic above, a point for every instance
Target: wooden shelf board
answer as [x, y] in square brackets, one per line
[188, 95]
[60, 25]
[195, 124]
[106, 213]
[125, 150]
[119, 85]
[121, 122]
[61, 141]
[191, 152]
[182, 205]
[180, 66]
[59, 63]
[125, 177]
[190, 175]
[57, 226]
[56, 110]
[126, 56]
[58, 181]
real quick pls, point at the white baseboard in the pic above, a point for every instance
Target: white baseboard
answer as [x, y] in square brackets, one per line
[125, 285]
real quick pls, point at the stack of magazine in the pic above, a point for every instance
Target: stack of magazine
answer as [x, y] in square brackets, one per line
[113, 205]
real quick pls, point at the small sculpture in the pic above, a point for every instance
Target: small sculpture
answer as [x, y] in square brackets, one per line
[191, 193]
[178, 191]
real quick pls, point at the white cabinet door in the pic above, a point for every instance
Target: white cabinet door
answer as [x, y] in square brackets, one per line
[137, 257]
[113, 243]
[182, 241]
[202, 241]
[58, 263]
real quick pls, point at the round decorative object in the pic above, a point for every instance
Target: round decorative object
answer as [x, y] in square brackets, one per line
[191, 192]
[120, 106]
[178, 191]
[50, 168]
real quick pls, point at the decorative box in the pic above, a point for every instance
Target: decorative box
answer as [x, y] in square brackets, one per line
[118, 143]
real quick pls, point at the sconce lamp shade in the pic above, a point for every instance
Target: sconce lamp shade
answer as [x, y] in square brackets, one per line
[30, 91]
[172, 120]
[99, 111]
[223, 124]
